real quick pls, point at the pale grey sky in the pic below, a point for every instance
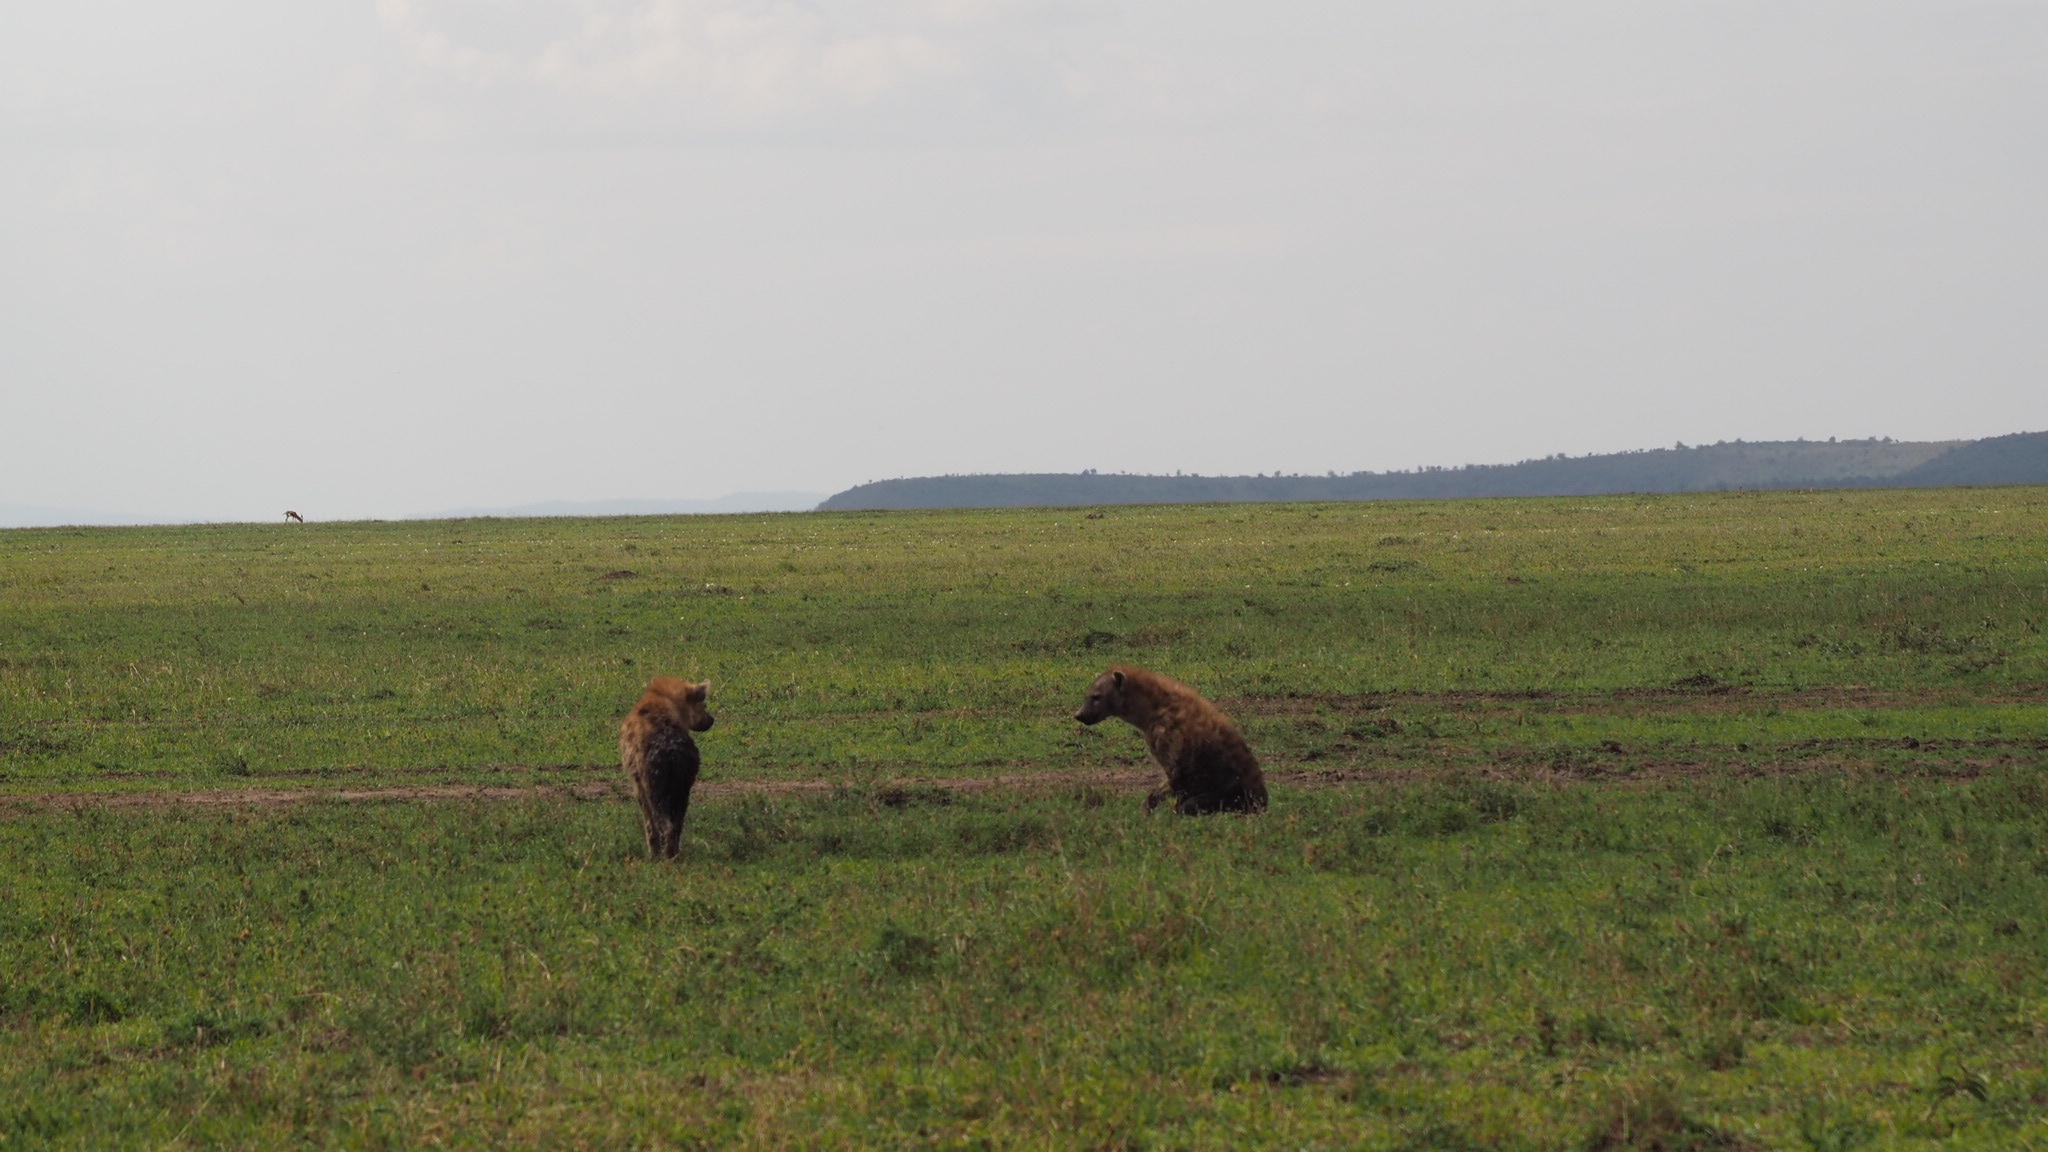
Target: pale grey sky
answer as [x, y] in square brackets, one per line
[380, 257]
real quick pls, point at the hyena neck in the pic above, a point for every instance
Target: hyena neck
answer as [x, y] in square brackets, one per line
[1141, 714]
[673, 740]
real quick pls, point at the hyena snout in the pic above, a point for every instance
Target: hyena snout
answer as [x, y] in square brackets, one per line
[702, 723]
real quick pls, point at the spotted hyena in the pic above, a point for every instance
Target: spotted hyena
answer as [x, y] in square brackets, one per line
[1208, 765]
[661, 758]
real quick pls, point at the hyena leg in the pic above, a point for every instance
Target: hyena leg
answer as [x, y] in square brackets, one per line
[1157, 797]
[650, 821]
[675, 826]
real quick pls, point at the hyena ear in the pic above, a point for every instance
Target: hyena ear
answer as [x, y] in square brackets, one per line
[1117, 678]
[698, 692]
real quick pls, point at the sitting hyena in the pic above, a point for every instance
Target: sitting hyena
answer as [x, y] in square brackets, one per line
[1208, 765]
[662, 759]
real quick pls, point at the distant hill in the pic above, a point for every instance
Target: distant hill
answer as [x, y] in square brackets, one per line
[2018, 459]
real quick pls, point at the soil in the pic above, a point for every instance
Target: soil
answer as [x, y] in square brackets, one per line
[1136, 781]
[1693, 695]
[602, 782]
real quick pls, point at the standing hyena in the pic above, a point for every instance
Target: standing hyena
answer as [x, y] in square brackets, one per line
[662, 759]
[1208, 765]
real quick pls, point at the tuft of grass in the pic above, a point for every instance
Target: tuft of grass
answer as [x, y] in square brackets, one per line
[1656, 1118]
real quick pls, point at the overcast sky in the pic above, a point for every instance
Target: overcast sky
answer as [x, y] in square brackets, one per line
[380, 257]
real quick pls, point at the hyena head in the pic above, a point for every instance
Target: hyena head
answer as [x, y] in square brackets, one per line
[1105, 697]
[688, 700]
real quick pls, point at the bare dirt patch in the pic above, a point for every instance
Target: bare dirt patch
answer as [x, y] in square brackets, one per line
[595, 790]
[1816, 757]
[1688, 696]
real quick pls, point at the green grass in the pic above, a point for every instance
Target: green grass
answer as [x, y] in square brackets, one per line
[862, 646]
[1482, 965]
[1673, 822]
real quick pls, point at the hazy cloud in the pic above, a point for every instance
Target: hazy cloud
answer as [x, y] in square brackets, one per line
[718, 61]
[429, 47]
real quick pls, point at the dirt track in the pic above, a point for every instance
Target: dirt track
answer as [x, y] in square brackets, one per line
[273, 797]
[1816, 757]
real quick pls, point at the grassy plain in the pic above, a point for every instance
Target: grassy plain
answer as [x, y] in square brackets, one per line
[1807, 962]
[1702, 821]
[862, 646]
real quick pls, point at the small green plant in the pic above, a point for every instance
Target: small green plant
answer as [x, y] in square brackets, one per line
[1722, 1050]
[92, 1006]
[210, 1027]
[898, 952]
[1954, 1080]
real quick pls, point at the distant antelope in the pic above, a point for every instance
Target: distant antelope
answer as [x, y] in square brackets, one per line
[291, 515]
